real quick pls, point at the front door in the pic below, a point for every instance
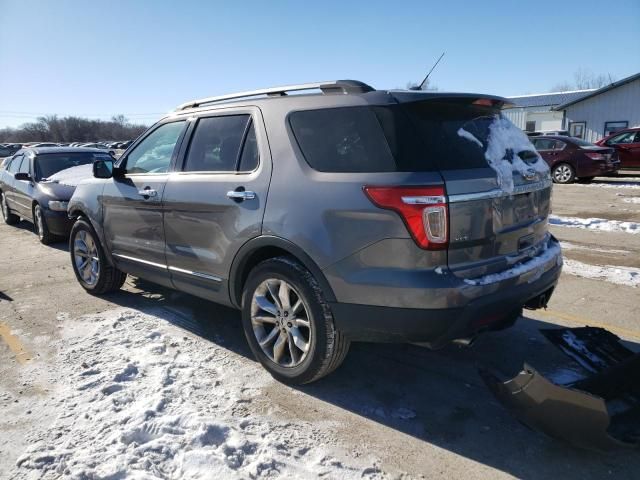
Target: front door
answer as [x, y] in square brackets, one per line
[133, 204]
[214, 202]
[627, 145]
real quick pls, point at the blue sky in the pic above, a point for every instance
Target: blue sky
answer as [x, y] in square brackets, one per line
[141, 58]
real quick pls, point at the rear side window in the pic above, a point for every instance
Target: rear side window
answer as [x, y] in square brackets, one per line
[347, 139]
[250, 154]
[215, 146]
[15, 164]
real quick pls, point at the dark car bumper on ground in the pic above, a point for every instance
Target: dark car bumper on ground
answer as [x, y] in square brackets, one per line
[437, 327]
[58, 223]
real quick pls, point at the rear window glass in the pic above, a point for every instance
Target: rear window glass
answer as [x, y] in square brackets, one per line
[408, 137]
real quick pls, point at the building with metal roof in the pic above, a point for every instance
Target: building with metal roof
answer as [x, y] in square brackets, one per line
[603, 111]
[536, 113]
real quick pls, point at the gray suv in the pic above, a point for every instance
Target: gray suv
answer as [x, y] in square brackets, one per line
[328, 213]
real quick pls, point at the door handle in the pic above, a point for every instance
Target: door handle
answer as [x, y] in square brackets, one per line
[148, 192]
[240, 195]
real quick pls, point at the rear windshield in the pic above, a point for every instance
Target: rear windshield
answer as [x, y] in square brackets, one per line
[581, 143]
[48, 164]
[410, 137]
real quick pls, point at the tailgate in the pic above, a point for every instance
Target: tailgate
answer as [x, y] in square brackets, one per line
[498, 187]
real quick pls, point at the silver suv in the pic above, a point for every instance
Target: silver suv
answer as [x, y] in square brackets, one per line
[339, 213]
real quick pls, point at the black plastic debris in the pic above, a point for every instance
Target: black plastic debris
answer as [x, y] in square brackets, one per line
[598, 409]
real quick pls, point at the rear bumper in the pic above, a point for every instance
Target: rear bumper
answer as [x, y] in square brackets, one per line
[595, 169]
[58, 223]
[492, 307]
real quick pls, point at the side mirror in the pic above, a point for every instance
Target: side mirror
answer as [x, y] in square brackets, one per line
[22, 176]
[103, 168]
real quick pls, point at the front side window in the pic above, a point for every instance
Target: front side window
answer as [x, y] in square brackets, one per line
[215, 146]
[153, 154]
[627, 137]
[24, 166]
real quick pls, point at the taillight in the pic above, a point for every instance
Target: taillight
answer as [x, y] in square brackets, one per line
[596, 156]
[423, 210]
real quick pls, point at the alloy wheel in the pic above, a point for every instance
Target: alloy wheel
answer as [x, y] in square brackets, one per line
[281, 322]
[85, 257]
[562, 174]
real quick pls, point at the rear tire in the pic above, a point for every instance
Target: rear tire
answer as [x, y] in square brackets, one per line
[8, 217]
[563, 173]
[89, 262]
[293, 336]
[40, 226]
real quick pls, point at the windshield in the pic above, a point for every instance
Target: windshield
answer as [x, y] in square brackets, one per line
[48, 164]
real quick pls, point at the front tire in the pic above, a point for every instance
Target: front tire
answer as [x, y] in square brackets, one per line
[40, 226]
[288, 323]
[89, 262]
[8, 217]
[563, 173]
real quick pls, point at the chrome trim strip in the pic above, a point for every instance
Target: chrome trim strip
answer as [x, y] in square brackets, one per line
[497, 193]
[196, 274]
[139, 260]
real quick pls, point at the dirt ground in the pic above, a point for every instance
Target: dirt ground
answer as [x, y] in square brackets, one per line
[458, 428]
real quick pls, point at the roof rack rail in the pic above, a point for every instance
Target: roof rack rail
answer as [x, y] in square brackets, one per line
[335, 86]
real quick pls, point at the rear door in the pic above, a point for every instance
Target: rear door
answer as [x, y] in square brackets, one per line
[8, 180]
[132, 203]
[215, 200]
[498, 187]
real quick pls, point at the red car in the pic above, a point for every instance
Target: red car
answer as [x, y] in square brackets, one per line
[627, 144]
[571, 158]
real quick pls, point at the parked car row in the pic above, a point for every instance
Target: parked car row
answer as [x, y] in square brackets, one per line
[8, 149]
[378, 226]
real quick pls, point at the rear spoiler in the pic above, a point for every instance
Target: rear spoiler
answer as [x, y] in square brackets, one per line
[416, 96]
[597, 410]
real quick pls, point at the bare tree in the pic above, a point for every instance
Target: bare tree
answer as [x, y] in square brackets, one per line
[584, 79]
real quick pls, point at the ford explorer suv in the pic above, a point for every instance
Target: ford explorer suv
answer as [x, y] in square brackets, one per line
[328, 213]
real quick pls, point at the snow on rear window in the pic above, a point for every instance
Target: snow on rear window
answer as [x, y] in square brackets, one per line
[507, 150]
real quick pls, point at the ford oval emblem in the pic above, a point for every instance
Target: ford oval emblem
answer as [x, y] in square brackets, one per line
[529, 174]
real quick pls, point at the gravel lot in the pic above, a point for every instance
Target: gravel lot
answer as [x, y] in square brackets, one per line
[389, 411]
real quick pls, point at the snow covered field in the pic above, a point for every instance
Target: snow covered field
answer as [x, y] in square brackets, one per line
[138, 397]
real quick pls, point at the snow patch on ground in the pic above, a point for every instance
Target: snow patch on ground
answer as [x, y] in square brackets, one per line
[610, 273]
[504, 143]
[589, 248]
[73, 176]
[608, 184]
[631, 200]
[537, 264]
[600, 224]
[141, 398]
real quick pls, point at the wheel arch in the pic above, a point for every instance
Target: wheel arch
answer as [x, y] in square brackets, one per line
[263, 248]
[77, 211]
